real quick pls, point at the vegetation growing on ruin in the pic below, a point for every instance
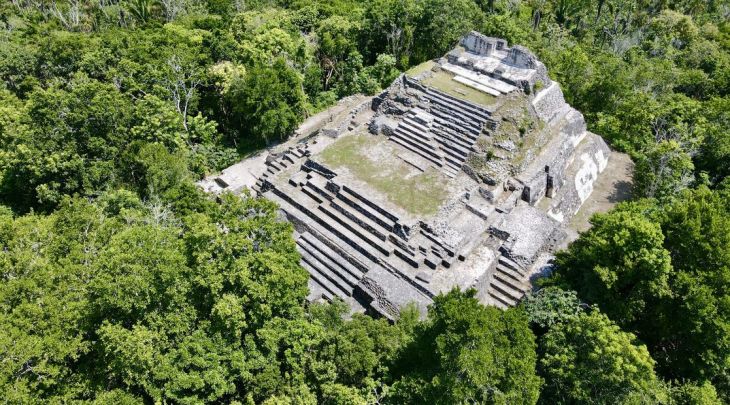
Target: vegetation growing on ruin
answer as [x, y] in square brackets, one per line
[120, 282]
[444, 81]
[420, 193]
[421, 68]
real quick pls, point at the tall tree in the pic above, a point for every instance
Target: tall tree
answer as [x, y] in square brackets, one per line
[467, 352]
[268, 103]
[588, 359]
[442, 23]
[620, 263]
[663, 272]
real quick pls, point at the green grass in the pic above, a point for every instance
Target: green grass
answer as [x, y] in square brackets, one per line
[419, 194]
[418, 69]
[444, 81]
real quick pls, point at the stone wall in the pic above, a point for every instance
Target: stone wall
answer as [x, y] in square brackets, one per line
[589, 160]
[549, 101]
[480, 44]
[521, 57]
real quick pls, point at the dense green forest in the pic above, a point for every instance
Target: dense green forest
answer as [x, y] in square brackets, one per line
[122, 282]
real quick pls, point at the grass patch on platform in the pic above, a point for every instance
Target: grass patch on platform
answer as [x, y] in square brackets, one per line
[444, 81]
[371, 160]
[418, 69]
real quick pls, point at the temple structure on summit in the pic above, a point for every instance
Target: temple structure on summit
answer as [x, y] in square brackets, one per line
[463, 173]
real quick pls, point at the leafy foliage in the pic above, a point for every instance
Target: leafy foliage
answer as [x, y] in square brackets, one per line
[268, 102]
[469, 353]
[135, 296]
[588, 359]
[678, 303]
[620, 262]
[551, 306]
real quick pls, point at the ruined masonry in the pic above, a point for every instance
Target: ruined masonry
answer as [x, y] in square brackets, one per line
[484, 128]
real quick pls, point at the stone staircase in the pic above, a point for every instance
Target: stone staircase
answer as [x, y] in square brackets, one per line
[445, 134]
[288, 158]
[509, 284]
[343, 235]
[333, 276]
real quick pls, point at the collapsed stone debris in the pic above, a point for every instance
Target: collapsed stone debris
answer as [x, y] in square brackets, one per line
[463, 173]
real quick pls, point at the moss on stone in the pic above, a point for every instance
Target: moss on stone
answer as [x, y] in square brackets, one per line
[419, 69]
[445, 82]
[419, 193]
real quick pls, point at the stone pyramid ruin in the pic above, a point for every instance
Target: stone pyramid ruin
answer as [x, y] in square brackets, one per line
[463, 173]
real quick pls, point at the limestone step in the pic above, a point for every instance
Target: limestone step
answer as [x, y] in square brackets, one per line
[447, 98]
[321, 191]
[448, 261]
[451, 161]
[433, 238]
[358, 218]
[468, 134]
[478, 86]
[449, 172]
[464, 117]
[374, 215]
[288, 158]
[446, 137]
[443, 134]
[317, 290]
[337, 271]
[323, 225]
[506, 261]
[324, 277]
[501, 300]
[456, 118]
[453, 164]
[363, 237]
[452, 158]
[485, 80]
[369, 203]
[431, 261]
[414, 122]
[506, 289]
[453, 149]
[453, 167]
[467, 105]
[276, 166]
[425, 145]
[416, 125]
[513, 274]
[361, 258]
[423, 135]
[414, 149]
[409, 259]
[356, 272]
[516, 285]
[420, 116]
[312, 194]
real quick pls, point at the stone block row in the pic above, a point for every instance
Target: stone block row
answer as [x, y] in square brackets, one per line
[509, 282]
